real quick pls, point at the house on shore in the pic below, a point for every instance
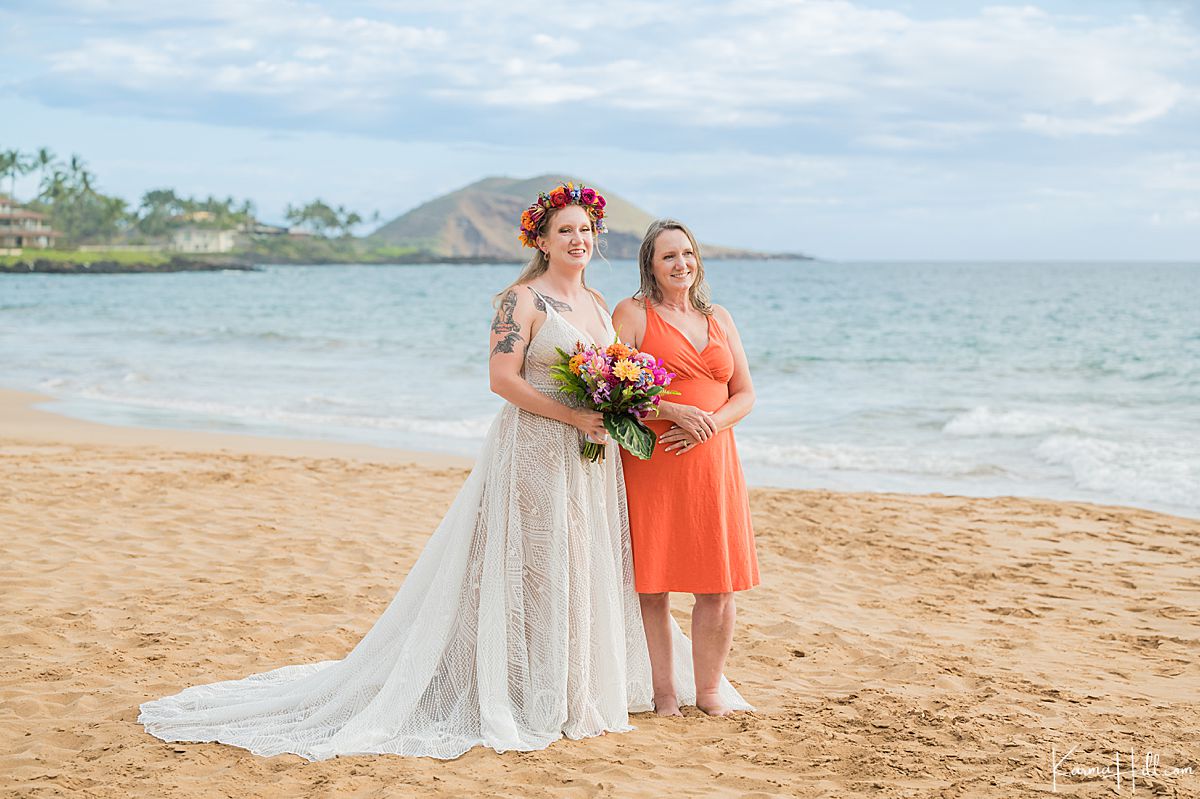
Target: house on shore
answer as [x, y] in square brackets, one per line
[190, 238]
[194, 238]
[21, 228]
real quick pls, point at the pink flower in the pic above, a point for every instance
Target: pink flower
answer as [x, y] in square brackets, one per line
[588, 196]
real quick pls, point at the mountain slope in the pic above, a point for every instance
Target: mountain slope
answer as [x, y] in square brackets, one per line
[480, 221]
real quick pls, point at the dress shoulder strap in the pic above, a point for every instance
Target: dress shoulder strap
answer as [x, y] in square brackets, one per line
[715, 327]
[652, 316]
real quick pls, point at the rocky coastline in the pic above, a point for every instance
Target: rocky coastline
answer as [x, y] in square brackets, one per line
[178, 263]
[32, 264]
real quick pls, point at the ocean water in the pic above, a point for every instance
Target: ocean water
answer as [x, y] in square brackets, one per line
[1071, 381]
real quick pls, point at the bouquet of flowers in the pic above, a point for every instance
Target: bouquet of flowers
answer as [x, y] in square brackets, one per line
[622, 383]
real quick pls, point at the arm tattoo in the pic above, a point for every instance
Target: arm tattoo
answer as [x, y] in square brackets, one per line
[558, 305]
[505, 325]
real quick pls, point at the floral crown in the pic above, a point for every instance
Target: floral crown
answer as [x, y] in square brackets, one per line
[560, 197]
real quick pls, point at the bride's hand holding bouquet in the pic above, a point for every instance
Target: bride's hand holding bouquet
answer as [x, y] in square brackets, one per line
[621, 383]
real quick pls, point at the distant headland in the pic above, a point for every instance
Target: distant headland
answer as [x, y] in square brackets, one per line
[478, 221]
[71, 228]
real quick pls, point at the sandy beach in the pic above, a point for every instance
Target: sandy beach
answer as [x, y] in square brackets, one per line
[899, 646]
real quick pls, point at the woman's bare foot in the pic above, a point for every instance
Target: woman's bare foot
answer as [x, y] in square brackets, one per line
[711, 704]
[666, 705]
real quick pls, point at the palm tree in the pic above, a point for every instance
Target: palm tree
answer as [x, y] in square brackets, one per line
[351, 221]
[82, 181]
[43, 159]
[6, 160]
[12, 164]
[246, 214]
[54, 187]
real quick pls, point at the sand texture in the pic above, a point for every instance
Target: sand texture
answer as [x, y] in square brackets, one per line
[899, 646]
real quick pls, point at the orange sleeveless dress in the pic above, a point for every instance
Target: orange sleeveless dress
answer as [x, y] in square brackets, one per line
[689, 515]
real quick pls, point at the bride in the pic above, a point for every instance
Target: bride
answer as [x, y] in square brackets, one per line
[518, 624]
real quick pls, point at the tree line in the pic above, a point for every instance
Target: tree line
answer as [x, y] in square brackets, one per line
[68, 195]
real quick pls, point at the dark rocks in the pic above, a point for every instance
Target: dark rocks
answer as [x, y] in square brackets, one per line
[178, 263]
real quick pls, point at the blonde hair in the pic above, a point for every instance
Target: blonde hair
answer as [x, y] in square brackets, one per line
[699, 295]
[539, 263]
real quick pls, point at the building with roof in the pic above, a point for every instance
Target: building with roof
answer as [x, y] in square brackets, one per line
[21, 228]
[190, 238]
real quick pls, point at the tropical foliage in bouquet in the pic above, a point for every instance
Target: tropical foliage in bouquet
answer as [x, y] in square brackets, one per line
[622, 383]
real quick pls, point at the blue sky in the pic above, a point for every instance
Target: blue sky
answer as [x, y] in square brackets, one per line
[852, 130]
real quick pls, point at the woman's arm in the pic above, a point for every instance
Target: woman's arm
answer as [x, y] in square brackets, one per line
[629, 320]
[511, 333]
[697, 420]
[681, 438]
[741, 387]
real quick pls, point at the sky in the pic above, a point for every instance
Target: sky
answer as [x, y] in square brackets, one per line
[849, 130]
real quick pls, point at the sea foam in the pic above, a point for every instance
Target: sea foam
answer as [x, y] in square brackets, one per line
[1162, 472]
[983, 421]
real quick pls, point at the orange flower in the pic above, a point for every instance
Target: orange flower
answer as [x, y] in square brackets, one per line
[575, 362]
[618, 351]
[627, 370]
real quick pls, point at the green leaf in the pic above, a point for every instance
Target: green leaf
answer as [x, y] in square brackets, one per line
[631, 434]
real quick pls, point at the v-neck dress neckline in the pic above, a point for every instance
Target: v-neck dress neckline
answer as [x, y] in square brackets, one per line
[550, 307]
[707, 329]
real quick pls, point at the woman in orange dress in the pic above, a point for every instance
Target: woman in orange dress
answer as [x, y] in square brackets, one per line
[689, 515]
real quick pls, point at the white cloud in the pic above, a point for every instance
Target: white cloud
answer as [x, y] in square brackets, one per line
[256, 50]
[749, 65]
[821, 126]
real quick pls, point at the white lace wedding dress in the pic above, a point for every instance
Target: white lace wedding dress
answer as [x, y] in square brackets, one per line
[517, 625]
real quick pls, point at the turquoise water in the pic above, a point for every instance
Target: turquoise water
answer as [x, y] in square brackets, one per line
[1074, 381]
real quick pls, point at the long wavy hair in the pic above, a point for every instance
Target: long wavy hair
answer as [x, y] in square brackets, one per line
[699, 295]
[539, 263]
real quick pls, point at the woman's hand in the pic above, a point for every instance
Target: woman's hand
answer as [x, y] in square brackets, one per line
[591, 424]
[679, 440]
[696, 421]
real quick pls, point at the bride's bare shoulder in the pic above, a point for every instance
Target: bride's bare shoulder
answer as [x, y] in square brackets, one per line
[518, 293]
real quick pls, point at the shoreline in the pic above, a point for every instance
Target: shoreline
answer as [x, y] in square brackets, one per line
[22, 265]
[23, 422]
[21, 419]
[903, 644]
[30, 262]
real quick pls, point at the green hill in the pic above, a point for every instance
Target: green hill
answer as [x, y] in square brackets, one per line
[480, 221]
